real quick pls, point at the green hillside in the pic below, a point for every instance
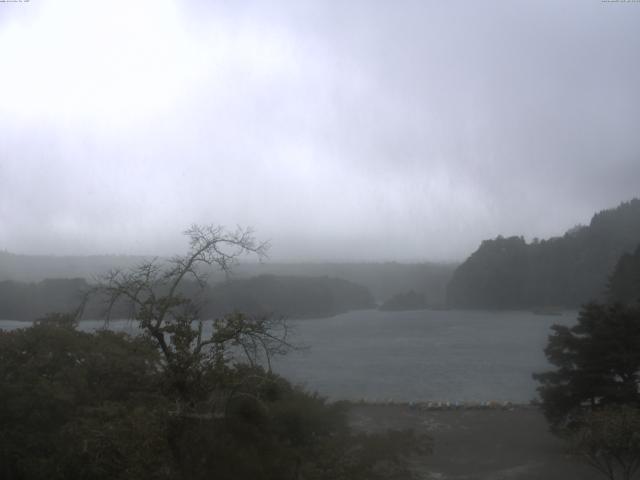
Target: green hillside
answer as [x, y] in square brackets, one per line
[561, 271]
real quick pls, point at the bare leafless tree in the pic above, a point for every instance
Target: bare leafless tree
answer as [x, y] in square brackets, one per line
[154, 294]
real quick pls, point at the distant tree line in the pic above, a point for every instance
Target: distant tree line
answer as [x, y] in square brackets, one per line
[289, 296]
[383, 279]
[405, 301]
[565, 271]
[265, 294]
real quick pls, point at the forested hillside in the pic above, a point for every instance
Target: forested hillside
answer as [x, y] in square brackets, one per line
[561, 271]
[624, 284]
[405, 301]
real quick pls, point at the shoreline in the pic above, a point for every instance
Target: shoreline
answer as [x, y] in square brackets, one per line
[498, 443]
[436, 405]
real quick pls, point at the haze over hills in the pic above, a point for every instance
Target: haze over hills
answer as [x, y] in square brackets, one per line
[287, 296]
[562, 271]
[35, 268]
[504, 272]
[383, 279]
[31, 286]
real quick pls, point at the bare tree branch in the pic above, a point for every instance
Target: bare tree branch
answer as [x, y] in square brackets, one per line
[154, 291]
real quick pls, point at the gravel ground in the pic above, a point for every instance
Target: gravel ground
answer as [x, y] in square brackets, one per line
[476, 444]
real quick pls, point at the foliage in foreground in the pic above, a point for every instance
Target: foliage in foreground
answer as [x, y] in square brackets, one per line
[609, 440]
[174, 403]
[592, 398]
[597, 363]
[81, 405]
[624, 283]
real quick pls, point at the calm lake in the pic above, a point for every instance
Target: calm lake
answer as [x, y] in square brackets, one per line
[414, 356]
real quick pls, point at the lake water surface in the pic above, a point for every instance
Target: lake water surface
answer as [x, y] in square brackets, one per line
[414, 356]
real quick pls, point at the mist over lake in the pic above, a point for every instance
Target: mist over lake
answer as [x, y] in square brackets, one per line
[451, 355]
[426, 355]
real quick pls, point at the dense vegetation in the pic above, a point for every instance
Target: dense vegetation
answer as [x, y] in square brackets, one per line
[608, 441]
[624, 284]
[597, 363]
[105, 406]
[592, 398]
[566, 271]
[174, 403]
[405, 301]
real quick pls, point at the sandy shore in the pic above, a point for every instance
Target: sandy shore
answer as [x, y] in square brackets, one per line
[479, 444]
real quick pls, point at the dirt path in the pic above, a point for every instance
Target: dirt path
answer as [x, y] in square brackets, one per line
[480, 444]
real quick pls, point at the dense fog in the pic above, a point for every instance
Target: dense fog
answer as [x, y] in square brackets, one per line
[365, 131]
[319, 239]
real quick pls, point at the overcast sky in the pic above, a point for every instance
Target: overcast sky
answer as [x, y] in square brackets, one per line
[339, 130]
